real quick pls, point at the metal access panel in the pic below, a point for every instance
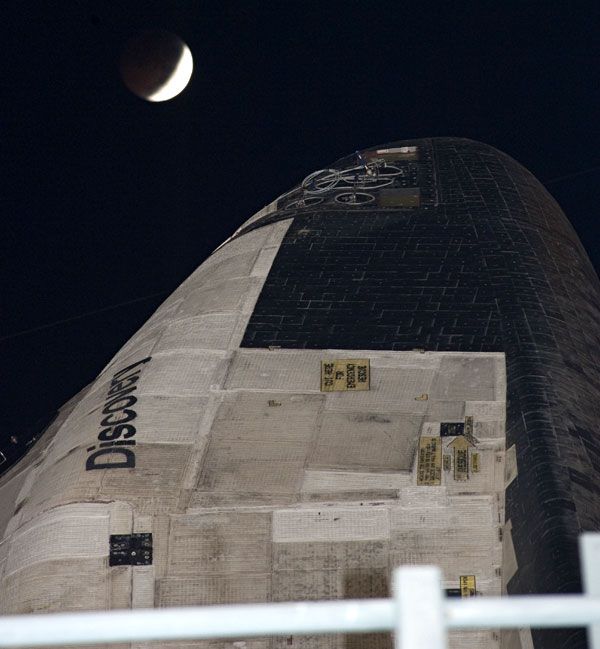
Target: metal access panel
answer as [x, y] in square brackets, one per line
[452, 429]
[130, 550]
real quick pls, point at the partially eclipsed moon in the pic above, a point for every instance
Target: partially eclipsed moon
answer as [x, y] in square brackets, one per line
[156, 65]
[178, 80]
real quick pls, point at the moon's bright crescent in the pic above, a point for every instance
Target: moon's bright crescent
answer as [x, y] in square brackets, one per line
[178, 80]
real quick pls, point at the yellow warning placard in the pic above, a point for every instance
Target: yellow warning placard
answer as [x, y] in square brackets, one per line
[461, 464]
[475, 462]
[345, 374]
[429, 464]
[460, 446]
[468, 586]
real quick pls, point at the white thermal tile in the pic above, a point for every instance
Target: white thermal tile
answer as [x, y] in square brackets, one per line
[407, 360]
[293, 371]
[59, 482]
[307, 585]
[211, 331]
[331, 555]
[222, 297]
[164, 314]
[225, 589]
[130, 356]
[316, 481]
[367, 440]
[142, 587]
[170, 419]
[218, 269]
[184, 374]
[267, 416]
[9, 492]
[61, 585]
[158, 473]
[391, 390]
[69, 532]
[466, 377]
[214, 543]
[252, 241]
[276, 232]
[419, 497]
[486, 410]
[445, 410]
[458, 512]
[489, 430]
[330, 524]
[264, 262]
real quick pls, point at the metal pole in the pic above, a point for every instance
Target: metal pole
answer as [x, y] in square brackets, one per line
[420, 621]
[589, 551]
[232, 621]
[419, 614]
[516, 611]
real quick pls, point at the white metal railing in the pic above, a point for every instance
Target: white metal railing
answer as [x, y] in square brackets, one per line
[418, 614]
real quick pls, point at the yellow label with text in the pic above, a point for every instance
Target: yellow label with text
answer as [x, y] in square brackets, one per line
[475, 462]
[345, 375]
[460, 446]
[468, 586]
[429, 464]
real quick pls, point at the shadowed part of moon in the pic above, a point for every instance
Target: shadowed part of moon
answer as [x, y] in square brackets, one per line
[151, 61]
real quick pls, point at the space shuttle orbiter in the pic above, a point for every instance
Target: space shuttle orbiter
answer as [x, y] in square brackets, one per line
[394, 363]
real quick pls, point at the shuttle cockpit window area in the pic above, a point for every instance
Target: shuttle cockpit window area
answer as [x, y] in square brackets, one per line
[382, 178]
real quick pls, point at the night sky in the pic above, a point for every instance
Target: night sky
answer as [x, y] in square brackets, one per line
[110, 202]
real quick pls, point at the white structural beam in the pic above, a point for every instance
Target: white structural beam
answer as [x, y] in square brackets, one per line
[550, 611]
[197, 622]
[589, 551]
[346, 616]
[419, 615]
[420, 620]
